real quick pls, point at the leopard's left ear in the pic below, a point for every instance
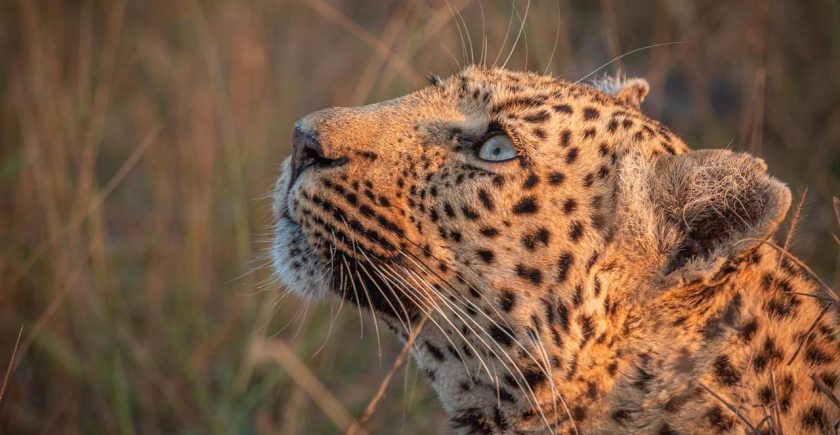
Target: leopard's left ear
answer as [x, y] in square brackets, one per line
[631, 91]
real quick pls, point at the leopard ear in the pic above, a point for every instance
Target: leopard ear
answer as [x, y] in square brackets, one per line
[631, 91]
[694, 211]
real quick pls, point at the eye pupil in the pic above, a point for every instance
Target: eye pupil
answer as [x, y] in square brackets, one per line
[496, 151]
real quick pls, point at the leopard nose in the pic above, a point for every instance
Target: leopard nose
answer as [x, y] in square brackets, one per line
[308, 152]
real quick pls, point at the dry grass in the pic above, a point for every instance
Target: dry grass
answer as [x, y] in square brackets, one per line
[138, 142]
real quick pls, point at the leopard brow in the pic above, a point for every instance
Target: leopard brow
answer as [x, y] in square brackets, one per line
[446, 132]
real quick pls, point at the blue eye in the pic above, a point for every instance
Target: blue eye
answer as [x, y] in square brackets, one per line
[497, 148]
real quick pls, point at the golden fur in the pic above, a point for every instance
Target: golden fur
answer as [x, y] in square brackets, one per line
[608, 280]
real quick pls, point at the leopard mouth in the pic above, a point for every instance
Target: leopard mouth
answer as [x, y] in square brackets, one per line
[374, 285]
[360, 276]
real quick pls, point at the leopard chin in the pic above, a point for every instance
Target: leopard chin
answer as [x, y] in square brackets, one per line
[294, 262]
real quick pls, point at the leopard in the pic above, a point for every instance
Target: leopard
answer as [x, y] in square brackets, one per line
[560, 262]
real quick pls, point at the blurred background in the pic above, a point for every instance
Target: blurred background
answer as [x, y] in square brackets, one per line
[139, 142]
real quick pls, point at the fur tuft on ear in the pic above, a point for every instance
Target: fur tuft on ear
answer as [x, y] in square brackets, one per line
[631, 91]
[695, 210]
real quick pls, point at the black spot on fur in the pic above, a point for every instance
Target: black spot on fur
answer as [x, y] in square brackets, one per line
[499, 419]
[643, 378]
[531, 181]
[447, 208]
[435, 351]
[621, 416]
[576, 232]
[572, 155]
[556, 178]
[529, 273]
[563, 265]
[534, 377]
[612, 368]
[814, 418]
[469, 213]
[747, 332]
[565, 138]
[519, 102]
[718, 420]
[507, 300]
[817, 356]
[587, 328]
[506, 396]
[563, 108]
[563, 316]
[782, 306]
[489, 232]
[486, 255]
[502, 334]
[531, 240]
[767, 356]
[675, 403]
[526, 205]
[725, 373]
[577, 298]
[537, 118]
[473, 420]
[590, 113]
[569, 206]
[485, 199]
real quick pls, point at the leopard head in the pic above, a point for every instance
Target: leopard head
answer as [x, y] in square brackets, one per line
[523, 214]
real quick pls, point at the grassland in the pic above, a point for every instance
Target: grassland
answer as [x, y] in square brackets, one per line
[139, 140]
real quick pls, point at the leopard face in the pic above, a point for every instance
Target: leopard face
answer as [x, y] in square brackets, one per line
[402, 184]
[567, 251]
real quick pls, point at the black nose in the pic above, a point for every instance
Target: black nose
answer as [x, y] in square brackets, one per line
[309, 152]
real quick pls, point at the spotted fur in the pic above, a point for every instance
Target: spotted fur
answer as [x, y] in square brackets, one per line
[607, 280]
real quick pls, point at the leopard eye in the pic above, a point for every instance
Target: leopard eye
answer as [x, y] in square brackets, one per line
[497, 148]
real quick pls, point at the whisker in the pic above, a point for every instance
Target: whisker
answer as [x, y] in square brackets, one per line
[356, 295]
[467, 31]
[372, 314]
[483, 58]
[536, 402]
[504, 41]
[393, 308]
[446, 318]
[518, 35]
[663, 44]
[554, 394]
[556, 40]
[513, 338]
[454, 59]
[436, 308]
[478, 354]
[458, 26]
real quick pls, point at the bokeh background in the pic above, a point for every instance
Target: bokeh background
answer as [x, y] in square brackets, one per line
[139, 140]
